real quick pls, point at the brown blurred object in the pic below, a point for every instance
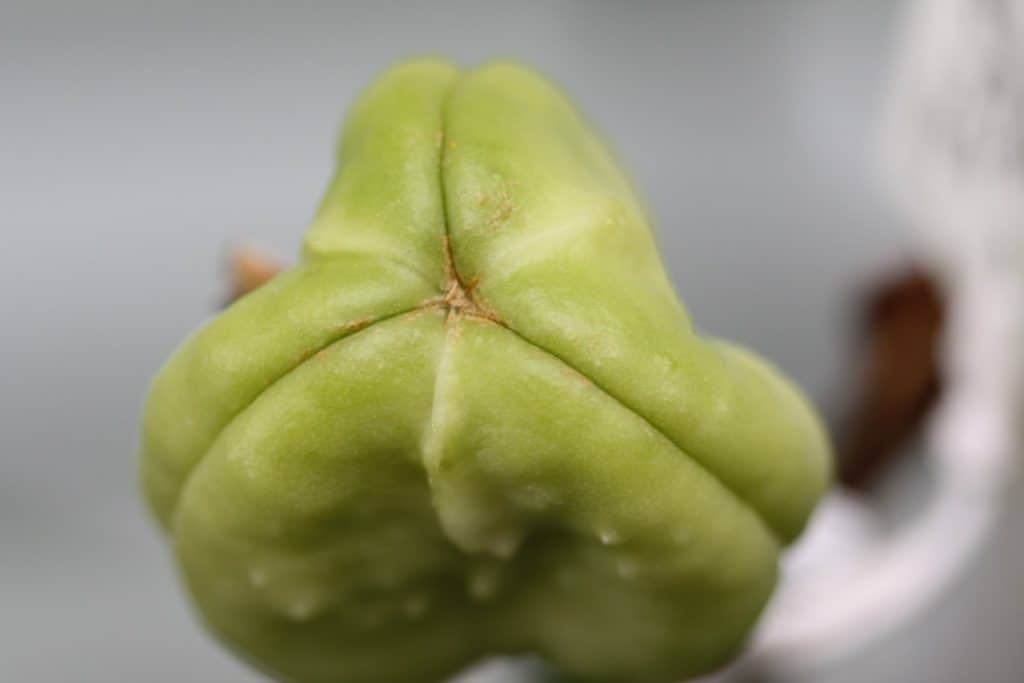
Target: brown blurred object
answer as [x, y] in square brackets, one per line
[900, 377]
[250, 269]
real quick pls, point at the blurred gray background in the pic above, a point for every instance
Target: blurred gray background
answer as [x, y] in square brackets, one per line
[138, 141]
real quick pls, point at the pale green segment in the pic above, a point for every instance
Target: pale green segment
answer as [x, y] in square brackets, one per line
[548, 229]
[307, 535]
[227, 364]
[385, 197]
[624, 560]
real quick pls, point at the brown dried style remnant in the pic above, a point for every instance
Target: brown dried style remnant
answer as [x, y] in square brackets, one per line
[250, 268]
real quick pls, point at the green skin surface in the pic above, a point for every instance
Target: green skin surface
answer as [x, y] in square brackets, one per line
[476, 419]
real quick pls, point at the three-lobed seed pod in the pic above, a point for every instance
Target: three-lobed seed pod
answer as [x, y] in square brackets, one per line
[476, 419]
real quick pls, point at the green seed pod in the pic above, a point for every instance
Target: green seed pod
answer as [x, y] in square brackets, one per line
[476, 419]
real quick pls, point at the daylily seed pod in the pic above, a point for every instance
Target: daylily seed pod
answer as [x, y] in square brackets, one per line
[476, 418]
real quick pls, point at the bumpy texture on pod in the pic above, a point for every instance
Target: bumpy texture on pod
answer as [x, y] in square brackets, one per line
[476, 419]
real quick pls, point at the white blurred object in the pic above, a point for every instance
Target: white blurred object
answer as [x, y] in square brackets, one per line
[954, 148]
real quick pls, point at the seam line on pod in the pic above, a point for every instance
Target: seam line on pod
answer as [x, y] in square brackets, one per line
[172, 517]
